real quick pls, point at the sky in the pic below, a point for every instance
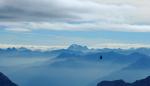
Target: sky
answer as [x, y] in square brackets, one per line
[60, 23]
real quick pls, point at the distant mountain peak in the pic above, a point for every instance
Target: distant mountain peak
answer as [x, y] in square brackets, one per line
[76, 47]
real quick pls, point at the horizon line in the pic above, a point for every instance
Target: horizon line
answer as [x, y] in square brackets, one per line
[99, 46]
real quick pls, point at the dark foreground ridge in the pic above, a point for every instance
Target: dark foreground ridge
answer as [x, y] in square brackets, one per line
[142, 82]
[5, 81]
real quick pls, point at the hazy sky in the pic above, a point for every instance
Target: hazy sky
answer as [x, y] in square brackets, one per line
[58, 23]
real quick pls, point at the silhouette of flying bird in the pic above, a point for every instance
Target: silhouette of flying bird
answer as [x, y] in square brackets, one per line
[101, 57]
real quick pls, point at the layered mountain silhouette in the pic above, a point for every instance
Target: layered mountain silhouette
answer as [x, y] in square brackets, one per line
[138, 68]
[74, 48]
[118, 63]
[75, 53]
[142, 63]
[72, 57]
[5, 81]
[142, 82]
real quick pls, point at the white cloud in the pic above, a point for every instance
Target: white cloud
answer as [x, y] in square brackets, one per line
[69, 10]
[32, 47]
[18, 29]
[121, 45]
[75, 15]
[100, 45]
[29, 26]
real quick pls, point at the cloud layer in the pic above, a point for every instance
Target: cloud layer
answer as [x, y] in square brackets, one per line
[75, 15]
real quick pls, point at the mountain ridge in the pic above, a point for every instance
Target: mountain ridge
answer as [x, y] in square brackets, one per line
[5, 81]
[141, 82]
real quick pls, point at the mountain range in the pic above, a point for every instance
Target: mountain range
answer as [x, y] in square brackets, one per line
[127, 64]
[72, 49]
[82, 53]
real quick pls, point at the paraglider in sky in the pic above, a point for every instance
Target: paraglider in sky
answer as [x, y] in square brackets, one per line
[101, 57]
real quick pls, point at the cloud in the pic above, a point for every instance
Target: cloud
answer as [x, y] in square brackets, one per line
[75, 15]
[17, 29]
[30, 26]
[96, 46]
[48, 10]
[121, 45]
[32, 47]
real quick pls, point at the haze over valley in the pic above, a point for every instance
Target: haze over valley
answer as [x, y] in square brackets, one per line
[76, 65]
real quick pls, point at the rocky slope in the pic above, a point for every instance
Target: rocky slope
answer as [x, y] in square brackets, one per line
[5, 81]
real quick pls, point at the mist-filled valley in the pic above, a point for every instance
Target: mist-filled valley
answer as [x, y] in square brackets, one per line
[74, 66]
[74, 43]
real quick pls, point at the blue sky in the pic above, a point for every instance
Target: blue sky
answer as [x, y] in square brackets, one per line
[96, 23]
[96, 39]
